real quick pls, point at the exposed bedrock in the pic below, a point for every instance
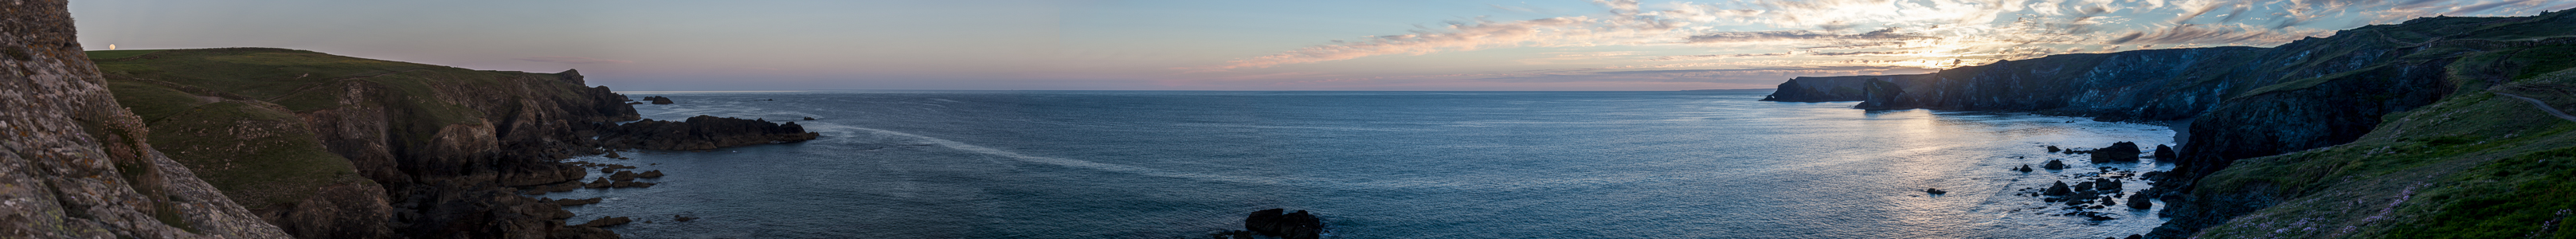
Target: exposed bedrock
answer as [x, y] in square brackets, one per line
[701, 132]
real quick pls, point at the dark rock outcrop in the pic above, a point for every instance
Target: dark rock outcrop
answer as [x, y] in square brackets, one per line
[2054, 165]
[701, 132]
[1293, 225]
[79, 165]
[658, 100]
[606, 221]
[1835, 88]
[2118, 152]
[2164, 152]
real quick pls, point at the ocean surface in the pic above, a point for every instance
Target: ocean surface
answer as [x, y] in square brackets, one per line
[1183, 164]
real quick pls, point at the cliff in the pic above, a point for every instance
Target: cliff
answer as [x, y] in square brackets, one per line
[78, 164]
[1836, 88]
[327, 146]
[2432, 99]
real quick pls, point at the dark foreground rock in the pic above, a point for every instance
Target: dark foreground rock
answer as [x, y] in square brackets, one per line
[701, 133]
[76, 163]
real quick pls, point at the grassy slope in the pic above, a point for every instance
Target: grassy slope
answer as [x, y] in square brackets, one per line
[230, 114]
[2474, 165]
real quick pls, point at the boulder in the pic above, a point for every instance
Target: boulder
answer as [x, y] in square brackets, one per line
[2024, 168]
[2118, 152]
[2141, 202]
[658, 100]
[2052, 148]
[2059, 189]
[622, 176]
[650, 174]
[2165, 153]
[2054, 165]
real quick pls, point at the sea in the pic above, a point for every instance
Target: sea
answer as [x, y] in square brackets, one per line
[1371, 164]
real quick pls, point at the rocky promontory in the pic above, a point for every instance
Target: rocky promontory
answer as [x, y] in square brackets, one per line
[2387, 112]
[701, 133]
[1836, 88]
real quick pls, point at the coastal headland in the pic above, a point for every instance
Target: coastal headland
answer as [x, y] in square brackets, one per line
[2434, 126]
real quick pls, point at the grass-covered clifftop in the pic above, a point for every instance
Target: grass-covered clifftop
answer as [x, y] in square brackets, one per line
[328, 146]
[2480, 164]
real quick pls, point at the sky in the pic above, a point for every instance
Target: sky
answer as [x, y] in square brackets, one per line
[1543, 45]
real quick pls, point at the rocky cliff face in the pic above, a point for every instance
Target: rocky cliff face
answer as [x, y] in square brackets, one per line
[1836, 88]
[2240, 103]
[78, 164]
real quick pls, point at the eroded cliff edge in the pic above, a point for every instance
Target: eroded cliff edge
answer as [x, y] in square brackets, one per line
[78, 164]
[2378, 131]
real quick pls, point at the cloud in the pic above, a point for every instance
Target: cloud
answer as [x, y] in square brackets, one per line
[1456, 36]
[1925, 33]
[571, 60]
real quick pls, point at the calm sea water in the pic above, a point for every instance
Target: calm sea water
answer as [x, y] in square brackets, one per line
[1182, 164]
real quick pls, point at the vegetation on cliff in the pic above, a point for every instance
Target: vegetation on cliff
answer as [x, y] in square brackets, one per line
[328, 146]
[2409, 130]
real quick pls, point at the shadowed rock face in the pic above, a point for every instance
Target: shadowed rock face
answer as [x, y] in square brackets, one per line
[80, 166]
[701, 133]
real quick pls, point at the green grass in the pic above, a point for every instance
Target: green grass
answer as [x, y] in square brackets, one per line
[258, 155]
[2447, 155]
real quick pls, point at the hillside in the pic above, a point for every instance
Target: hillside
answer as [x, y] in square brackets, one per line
[327, 146]
[2408, 130]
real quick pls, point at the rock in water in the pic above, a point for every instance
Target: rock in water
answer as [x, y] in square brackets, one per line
[2059, 189]
[2054, 165]
[658, 100]
[2118, 152]
[701, 133]
[2024, 168]
[2165, 153]
[1294, 225]
[2140, 202]
[2052, 148]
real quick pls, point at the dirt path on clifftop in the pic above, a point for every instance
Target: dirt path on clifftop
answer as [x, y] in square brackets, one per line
[2544, 106]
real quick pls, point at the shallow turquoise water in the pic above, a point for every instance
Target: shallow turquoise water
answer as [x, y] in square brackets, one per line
[1175, 164]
